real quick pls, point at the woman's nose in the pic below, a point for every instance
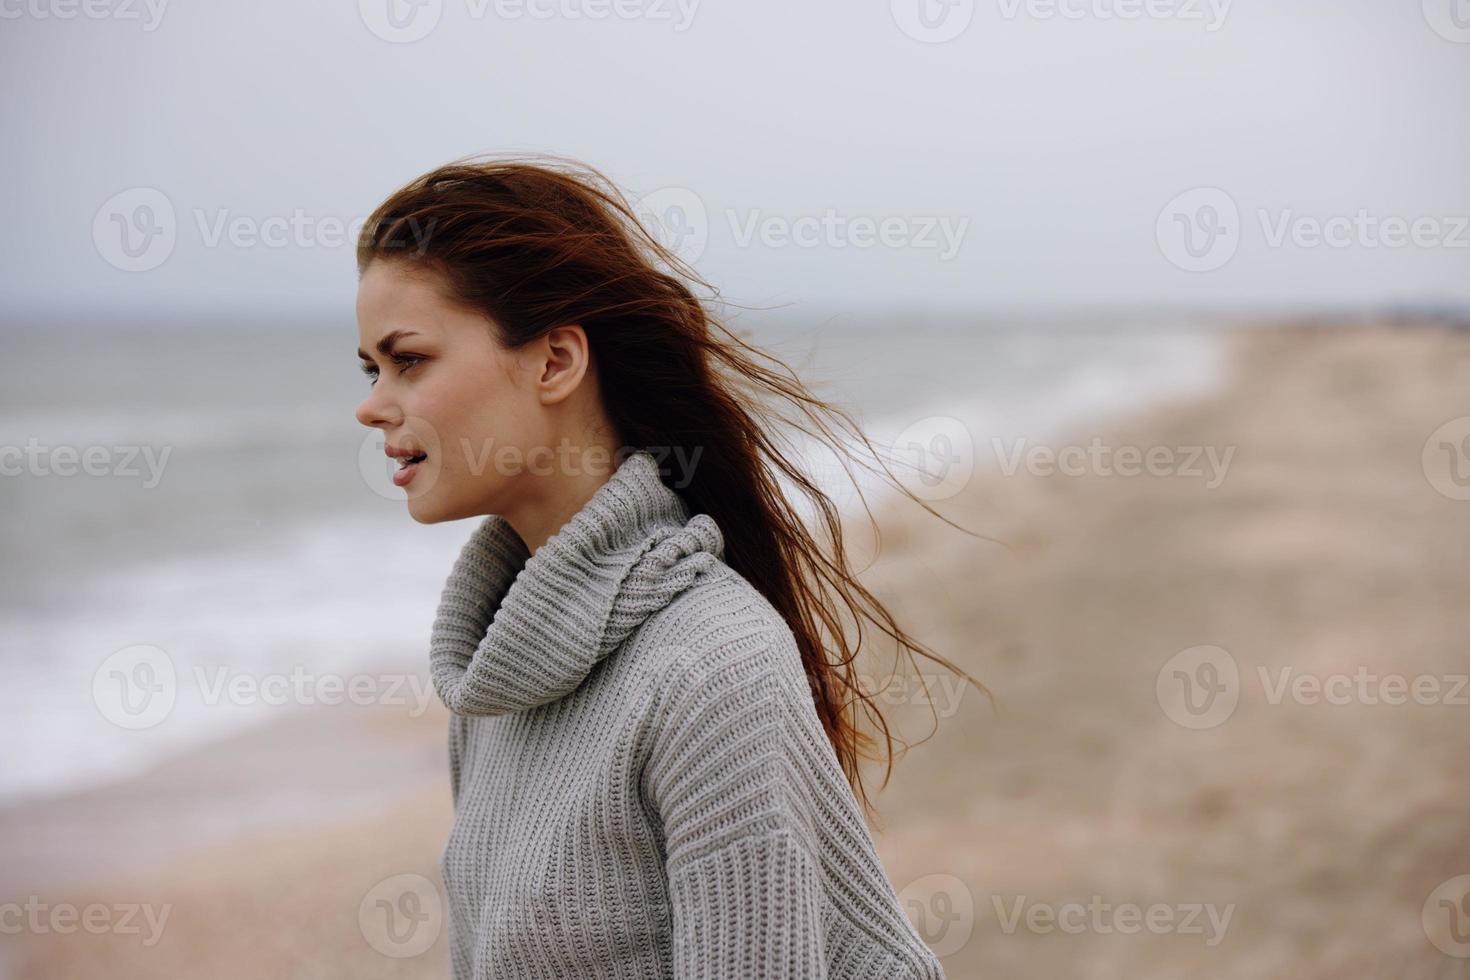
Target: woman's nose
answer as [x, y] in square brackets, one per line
[371, 412]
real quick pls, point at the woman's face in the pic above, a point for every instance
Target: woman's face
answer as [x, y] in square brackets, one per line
[445, 387]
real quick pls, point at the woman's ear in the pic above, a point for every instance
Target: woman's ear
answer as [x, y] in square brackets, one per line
[566, 356]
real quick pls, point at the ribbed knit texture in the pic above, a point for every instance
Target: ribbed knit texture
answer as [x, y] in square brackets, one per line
[642, 788]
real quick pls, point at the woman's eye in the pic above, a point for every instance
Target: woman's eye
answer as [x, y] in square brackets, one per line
[405, 360]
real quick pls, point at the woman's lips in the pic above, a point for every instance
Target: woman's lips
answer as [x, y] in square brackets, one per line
[401, 477]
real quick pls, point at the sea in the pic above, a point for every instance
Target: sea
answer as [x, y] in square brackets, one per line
[193, 509]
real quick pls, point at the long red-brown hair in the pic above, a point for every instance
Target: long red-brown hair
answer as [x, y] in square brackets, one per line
[534, 243]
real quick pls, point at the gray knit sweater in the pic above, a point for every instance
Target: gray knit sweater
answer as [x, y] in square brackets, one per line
[642, 788]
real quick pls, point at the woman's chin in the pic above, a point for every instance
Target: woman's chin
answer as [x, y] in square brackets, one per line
[423, 510]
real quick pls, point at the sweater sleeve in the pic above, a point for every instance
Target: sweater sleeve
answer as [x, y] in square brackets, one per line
[726, 779]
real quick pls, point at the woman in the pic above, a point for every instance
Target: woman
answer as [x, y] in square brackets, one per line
[653, 758]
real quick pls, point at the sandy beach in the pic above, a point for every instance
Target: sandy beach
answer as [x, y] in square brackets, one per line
[1102, 820]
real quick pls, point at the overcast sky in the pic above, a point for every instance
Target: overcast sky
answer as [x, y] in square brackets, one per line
[979, 155]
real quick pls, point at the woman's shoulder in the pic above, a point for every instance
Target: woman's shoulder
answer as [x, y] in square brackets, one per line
[719, 623]
[723, 672]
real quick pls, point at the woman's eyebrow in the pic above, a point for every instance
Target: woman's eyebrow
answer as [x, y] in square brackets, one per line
[385, 346]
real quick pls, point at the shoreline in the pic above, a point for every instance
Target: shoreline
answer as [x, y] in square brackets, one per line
[308, 764]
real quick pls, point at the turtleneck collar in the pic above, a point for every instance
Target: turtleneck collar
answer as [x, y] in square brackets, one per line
[513, 632]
